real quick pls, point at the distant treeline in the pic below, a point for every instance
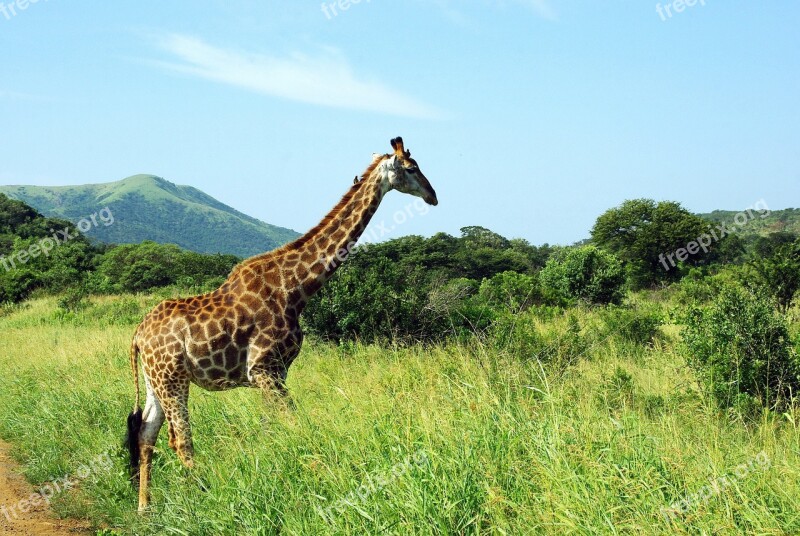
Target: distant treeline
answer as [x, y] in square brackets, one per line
[421, 288]
[50, 255]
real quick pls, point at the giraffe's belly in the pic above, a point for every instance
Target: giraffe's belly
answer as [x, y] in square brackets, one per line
[216, 370]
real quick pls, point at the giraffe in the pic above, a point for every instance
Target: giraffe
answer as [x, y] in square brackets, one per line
[246, 333]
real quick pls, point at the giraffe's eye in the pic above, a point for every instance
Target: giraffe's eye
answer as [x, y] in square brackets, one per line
[411, 170]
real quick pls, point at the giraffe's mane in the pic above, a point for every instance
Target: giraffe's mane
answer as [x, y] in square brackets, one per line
[329, 217]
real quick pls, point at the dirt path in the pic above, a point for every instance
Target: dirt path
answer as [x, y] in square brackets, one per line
[38, 520]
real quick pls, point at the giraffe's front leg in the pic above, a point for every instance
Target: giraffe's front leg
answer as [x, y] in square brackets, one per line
[270, 381]
[268, 361]
[267, 370]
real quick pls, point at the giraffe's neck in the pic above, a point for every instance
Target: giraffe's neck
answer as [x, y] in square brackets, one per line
[312, 259]
[336, 241]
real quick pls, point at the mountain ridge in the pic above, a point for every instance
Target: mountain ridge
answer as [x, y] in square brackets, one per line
[149, 207]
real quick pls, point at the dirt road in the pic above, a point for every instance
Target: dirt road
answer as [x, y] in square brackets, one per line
[37, 519]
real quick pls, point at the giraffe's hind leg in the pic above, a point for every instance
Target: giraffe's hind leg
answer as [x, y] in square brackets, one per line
[152, 420]
[173, 393]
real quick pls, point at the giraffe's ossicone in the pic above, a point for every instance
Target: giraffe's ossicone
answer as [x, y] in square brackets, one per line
[247, 332]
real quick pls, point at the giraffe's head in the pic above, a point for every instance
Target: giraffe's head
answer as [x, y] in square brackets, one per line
[401, 172]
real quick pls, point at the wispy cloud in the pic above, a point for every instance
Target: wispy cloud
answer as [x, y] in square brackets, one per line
[324, 79]
[541, 8]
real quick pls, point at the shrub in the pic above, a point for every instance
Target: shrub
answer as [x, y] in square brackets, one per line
[124, 312]
[616, 391]
[632, 325]
[585, 274]
[741, 348]
[699, 288]
[526, 337]
[143, 267]
[455, 305]
[16, 285]
[510, 291]
[73, 300]
[373, 303]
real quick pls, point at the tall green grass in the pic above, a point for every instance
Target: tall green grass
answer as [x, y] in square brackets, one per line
[595, 437]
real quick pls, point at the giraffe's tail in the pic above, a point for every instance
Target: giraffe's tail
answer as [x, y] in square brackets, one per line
[135, 417]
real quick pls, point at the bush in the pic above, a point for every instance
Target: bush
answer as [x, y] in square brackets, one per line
[525, 337]
[73, 300]
[616, 391]
[510, 291]
[123, 312]
[632, 325]
[146, 266]
[456, 306]
[698, 288]
[585, 274]
[16, 285]
[741, 348]
[375, 302]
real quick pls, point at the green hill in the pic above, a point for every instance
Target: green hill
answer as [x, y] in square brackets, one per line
[146, 207]
[776, 221]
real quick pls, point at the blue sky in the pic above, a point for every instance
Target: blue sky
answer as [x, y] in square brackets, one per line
[529, 117]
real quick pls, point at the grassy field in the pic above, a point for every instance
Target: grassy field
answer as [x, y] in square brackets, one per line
[457, 439]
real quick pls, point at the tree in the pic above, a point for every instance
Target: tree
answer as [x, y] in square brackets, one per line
[536, 256]
[483, 253]
[14, 214]
[780, 273]
[39, 253]
[767, 246]
[141, 267]
[586, 274]
[653, 239]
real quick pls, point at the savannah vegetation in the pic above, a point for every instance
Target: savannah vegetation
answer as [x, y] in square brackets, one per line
[449, 385]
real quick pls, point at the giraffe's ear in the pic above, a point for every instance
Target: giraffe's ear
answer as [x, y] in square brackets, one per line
[397, 145]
